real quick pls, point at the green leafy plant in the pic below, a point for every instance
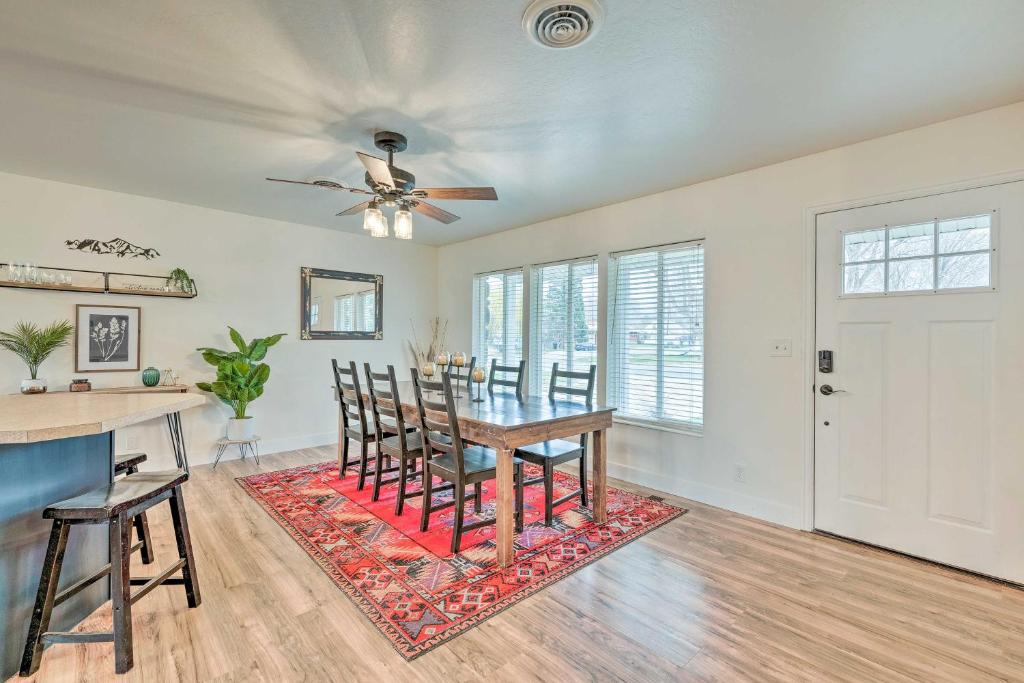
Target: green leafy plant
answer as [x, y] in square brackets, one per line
[34, 344]
[180, 278]
[240, 374]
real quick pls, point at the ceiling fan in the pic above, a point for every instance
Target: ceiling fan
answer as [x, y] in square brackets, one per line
[393, 186]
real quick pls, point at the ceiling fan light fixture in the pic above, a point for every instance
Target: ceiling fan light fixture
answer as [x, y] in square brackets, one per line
[403, 223]
[374, 220]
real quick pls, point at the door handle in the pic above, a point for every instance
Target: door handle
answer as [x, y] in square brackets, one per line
[827, 390]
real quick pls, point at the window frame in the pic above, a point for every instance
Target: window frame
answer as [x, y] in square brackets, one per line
[540, 390]
[521, 270]
[992, 250]
[661, 424]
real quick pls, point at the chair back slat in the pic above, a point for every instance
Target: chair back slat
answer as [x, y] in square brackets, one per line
[512, 376]
[569, 390]
[438, 419]
[378, 385]
[350, 398]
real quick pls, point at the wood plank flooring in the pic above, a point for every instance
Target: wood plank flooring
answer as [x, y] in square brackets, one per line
[711, 596]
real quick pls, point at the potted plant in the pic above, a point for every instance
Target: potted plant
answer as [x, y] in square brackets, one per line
[34, 344]
[240, 379]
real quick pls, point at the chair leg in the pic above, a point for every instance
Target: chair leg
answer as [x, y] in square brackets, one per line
[549, 493]
[583, 479]
[343, 456]
[120, 592]
[460, 513]
[363, 455]
[520, 520]
[48, 579]
[184, 540]
[378, 469]
[478, 499]
[428, 489]
[403, 474]
[142, 531]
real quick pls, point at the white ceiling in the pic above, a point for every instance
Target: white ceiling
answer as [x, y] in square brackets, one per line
[196, 101]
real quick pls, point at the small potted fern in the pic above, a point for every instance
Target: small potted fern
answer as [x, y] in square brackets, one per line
[34, 344]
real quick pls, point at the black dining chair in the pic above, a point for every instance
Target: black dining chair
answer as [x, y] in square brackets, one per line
[511, 376]
[456, 463]
[461, 375]
[550, 454]
[354, 424]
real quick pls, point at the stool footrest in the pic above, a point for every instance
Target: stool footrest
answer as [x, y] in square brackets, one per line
[78, 586]
[66, 637]
[153, 582]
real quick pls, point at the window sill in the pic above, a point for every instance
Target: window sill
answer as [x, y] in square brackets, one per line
[660, 426]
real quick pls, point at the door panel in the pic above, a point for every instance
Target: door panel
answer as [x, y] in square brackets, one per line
[922, 450]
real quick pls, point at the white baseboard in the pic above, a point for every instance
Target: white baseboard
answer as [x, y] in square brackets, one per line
[761, 508]
[294, 443]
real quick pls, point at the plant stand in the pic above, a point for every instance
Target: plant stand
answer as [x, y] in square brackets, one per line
[251, 444]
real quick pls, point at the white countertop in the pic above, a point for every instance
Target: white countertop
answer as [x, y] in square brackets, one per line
[45, 417]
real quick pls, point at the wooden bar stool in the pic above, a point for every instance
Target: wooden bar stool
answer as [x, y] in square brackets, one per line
[550, 454]
[116, 505]
[128, 463]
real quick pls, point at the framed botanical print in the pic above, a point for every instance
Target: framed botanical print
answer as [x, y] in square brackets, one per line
[107, 338]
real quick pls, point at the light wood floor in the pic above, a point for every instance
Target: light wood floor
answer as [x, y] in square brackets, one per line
[710, 596]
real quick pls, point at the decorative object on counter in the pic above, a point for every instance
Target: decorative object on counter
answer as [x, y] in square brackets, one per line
[118, 247]
[80, 385]
[150, 377]
[478, 376]
[181, 280]
[108, 338]
[34, 344]
[168, 377]
[358, 305]
[438, 338]
[30, 276]
[240, 379]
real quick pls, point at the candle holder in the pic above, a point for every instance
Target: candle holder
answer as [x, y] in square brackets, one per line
[478, 377]
[428, 369]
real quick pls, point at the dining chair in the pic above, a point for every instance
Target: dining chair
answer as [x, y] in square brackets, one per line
[456, 463]
[354, 425]
[394, 440]
[550, 454]
[518, 373]
[461, 375]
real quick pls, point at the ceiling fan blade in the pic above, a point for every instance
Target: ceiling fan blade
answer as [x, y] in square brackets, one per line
[330, 185]
[456, 192]
[355, 209]
[435, 212]
[378, 169]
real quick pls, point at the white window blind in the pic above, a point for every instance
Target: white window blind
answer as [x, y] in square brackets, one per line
[563, 319]
[368, 313]
[656, 344]
[498, 317]
[344, 313]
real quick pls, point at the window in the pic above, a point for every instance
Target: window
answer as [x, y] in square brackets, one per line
[563, 319]
[656, 344]
[943, 254]
[367, 311]
[344, 313]
[498, 317]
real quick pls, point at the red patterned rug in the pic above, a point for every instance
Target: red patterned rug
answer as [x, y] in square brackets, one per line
[407, 582]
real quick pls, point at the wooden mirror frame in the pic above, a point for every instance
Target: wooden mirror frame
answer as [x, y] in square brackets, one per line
[305, 311]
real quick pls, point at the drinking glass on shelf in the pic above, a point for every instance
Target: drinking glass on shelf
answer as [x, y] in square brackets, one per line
[31, 275]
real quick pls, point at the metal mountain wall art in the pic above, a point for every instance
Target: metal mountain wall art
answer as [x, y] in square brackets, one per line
[117, 246]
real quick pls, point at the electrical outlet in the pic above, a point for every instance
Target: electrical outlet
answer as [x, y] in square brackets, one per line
[739, 473]
[780, 347]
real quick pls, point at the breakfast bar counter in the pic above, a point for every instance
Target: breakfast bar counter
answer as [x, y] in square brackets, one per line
[52, 447]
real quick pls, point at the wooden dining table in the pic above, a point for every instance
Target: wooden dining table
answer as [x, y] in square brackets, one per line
[504, 422]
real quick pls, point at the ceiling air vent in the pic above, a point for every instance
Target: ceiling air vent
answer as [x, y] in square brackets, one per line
[561, 24]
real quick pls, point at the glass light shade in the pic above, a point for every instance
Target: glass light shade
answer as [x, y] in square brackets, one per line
[403, 224]
[382, 229]
[373, 218]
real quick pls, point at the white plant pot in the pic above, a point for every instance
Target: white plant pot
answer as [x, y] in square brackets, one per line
[241, 429]
[33, 386]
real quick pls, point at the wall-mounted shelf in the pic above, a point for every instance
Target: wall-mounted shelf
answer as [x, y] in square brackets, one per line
[97, 282]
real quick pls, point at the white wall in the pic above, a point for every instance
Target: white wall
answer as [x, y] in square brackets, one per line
[754, 226]
[247, 271]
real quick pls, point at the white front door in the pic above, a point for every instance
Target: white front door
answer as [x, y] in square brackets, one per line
[920, 447]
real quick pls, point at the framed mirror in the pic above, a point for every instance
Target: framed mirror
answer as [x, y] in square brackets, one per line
[337, 304]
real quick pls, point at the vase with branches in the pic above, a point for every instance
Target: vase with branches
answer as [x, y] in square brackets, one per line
[34, 344]
[438, 338]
